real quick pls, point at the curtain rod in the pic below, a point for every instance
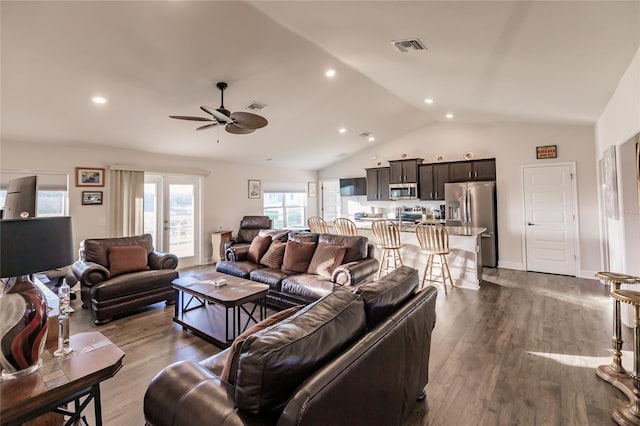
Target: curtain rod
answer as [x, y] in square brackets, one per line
[176, 171]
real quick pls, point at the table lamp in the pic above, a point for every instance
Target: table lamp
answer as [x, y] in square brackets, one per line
[28, 246]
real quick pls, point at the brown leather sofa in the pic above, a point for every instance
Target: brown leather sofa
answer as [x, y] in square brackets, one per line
[250, 226]
[289, 288]
[119, 274]
[347, 359]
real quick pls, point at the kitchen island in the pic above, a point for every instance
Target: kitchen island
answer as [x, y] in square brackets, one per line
[465, 259]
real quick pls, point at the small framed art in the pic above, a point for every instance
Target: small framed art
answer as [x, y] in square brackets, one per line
[86, 176]
[254, 188]
[312, 190]
[547, 151]
[91, 198]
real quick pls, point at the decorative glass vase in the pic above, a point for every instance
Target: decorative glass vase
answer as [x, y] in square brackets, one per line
[23, 328]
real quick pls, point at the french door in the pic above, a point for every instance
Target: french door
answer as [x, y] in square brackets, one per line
[172, 215]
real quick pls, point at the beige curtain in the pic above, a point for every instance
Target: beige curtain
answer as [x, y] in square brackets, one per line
[127, 202]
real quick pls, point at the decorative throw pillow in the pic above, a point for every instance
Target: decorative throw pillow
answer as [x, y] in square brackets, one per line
[231, 366]
[274, 255]
[258, 248]
[124, 259]
[326, 258]
[297, 256]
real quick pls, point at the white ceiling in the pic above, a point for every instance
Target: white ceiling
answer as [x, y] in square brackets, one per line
[486, 62]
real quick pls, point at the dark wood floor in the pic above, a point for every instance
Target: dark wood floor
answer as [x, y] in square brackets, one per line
[521, 351]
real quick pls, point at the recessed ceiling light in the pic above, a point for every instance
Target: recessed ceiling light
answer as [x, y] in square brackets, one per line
[449, 115]
[428, 101]
[330, 73]
[342, 130]
[98, 100]
[371, 139]
[269, 159]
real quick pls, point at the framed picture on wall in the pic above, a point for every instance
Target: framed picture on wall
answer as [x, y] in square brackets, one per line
[86, 176]
[312, 190]
[254, 188]
[91, 198]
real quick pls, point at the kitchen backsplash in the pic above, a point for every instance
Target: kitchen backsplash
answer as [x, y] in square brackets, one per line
[351, 205]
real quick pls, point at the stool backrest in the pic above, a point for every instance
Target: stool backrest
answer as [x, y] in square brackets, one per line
[317, 225]
[386, 233]
[344, 226]
[433, 238]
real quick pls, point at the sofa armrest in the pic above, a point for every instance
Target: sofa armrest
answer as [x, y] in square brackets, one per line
[237, 253]
[186, 393]
[158, 260]
[90, 273]
[353, 273]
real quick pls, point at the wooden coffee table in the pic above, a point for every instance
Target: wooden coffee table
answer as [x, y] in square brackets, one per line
[62, 380]
[198, 305]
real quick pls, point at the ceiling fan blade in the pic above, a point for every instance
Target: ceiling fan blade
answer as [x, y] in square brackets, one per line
[187, 117]
[237, 130]
[206, 126]
[217, 114]
[249, 120]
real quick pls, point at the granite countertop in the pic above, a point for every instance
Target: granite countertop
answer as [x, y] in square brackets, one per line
[465, 231]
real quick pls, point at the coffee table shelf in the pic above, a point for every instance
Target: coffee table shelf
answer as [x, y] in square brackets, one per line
[218, 314]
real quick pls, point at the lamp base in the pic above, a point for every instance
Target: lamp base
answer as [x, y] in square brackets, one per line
[14, 375]
[23, 328]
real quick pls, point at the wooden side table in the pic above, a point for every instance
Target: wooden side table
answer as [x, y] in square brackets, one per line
[218, 239]
[61, 381]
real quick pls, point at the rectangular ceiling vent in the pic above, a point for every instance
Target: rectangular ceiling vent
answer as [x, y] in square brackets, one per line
[408, 44]
[255, 106]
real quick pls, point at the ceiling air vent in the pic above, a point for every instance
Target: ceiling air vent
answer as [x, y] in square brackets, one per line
[408, 44]
[365, 134]
[255, 106]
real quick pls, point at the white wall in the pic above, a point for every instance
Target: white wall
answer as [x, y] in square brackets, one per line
[513, 145]
[224, 190]
[617, 125]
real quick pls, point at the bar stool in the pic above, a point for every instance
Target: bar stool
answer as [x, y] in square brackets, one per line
[630, 414]
[387, 237]
[344, 226]
[434, 241]
[317, 225]
[615, 371]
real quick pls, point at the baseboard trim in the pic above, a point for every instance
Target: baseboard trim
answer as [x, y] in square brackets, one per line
[518, 266]
[585, 273]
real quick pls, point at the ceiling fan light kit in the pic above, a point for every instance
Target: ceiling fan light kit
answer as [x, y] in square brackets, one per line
[238, 123]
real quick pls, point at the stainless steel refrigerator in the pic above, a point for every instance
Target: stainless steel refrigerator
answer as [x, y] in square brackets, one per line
[474, 204]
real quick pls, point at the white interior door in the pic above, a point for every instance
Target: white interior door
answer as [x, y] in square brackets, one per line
[330, 199]
[172, 216]
[549, 194]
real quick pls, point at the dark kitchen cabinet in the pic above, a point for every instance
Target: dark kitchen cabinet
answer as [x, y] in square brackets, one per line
[404, 171]
[464, 171]
[432, 180]
[378, 184]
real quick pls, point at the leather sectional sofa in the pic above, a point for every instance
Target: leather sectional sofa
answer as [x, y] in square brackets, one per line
[303, 286]
[119, 274]
[350, 358]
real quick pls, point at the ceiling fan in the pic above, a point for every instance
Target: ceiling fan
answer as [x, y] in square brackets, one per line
[239, 123]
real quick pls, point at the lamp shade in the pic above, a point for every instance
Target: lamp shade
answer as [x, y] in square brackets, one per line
[34, 245]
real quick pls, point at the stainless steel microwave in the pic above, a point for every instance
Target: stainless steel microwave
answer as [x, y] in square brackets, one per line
[403, 191]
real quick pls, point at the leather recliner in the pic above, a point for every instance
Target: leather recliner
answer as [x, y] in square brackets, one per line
[250, 227]
[108, 295]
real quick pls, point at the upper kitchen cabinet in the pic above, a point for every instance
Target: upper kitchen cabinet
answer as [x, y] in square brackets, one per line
[432, 180]
[378, 184]
[463, 171]
[404, 171]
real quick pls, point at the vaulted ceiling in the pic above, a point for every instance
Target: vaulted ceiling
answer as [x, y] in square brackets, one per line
[485, 62]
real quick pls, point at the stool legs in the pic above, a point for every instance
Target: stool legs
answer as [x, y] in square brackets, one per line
[630, 414]
[615, 370]
[389, 255]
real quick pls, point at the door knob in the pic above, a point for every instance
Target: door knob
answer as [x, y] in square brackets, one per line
[530, 224]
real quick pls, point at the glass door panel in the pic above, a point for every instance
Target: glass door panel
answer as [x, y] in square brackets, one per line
[181, 220]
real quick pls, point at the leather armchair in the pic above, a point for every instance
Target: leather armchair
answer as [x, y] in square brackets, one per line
[250, 226]
[108, 295]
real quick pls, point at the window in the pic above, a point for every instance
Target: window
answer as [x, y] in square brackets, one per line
[286, 209]
[50, 202]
